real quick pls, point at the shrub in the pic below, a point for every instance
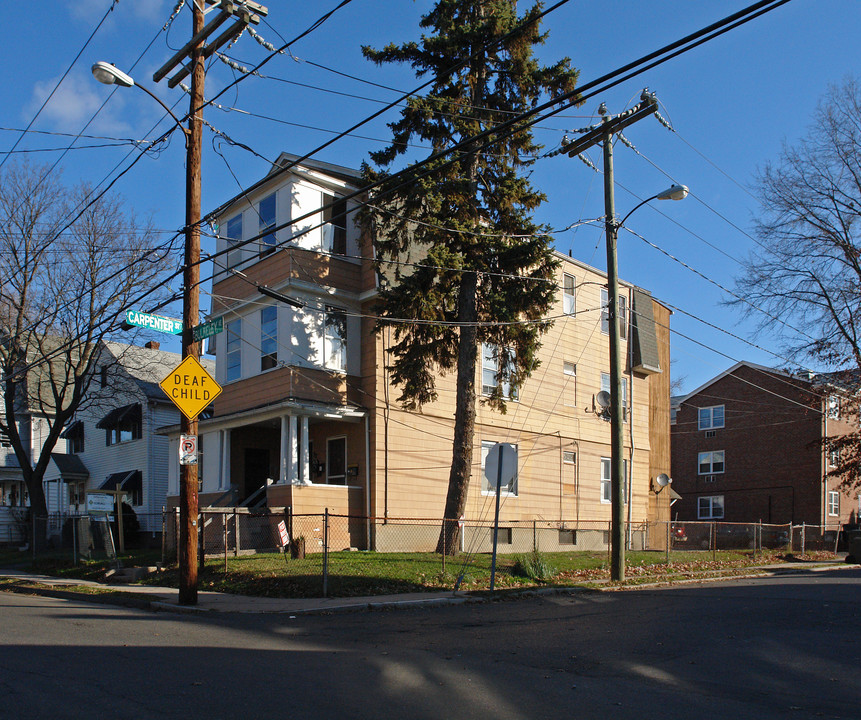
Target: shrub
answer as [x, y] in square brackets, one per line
[533, 566]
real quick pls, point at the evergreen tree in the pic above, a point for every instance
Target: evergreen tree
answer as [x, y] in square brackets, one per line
[485, 266]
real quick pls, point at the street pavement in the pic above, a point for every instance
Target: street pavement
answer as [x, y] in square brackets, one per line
[167, 599]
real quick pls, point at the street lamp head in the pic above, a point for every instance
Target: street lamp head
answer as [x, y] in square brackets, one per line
[676, 192]
[111, 75]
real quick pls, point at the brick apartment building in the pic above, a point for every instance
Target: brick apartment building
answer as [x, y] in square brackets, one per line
[749, 446]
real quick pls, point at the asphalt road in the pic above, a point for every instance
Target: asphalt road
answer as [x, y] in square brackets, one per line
[762, 648]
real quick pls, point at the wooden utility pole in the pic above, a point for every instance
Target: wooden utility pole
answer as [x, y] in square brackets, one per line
[196, 50]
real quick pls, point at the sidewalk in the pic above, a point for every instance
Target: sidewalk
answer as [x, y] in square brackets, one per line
[167, 599]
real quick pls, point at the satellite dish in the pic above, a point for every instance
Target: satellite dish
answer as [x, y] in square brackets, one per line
[663, 480]
[602, 399]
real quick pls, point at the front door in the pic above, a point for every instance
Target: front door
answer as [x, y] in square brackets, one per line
[256, 471]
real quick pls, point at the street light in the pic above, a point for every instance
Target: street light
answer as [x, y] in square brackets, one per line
[617, 484]
[109, 74]
[188, 501]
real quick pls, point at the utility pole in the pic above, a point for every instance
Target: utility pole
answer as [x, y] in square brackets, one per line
[188, 501]
[604, 134]
[197, 51]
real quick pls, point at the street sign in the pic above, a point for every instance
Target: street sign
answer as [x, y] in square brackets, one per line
[500, 466]
[208, 329]
[282, 532]
[188, 449]
[154, 322]
[190, 387]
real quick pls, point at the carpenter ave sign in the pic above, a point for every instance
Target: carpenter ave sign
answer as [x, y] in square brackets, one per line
[191, 387]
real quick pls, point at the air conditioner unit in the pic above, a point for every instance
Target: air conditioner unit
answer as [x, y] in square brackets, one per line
[711, 433]
[709, 478]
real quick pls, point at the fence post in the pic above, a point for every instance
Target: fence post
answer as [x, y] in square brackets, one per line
[224, 533]
[34, 536]
[803, 539]
[534, 537]
[325, 550]
[609, 544]
[201, 539]
[235, 533]
[669, 540]
[444, 538]
[163, 538]
[176, 532]
[713, 540]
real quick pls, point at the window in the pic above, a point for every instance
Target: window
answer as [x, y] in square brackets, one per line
[568, 294]
[234, 350]
[268, 337]
[103, 377]
[336, 461]
[833, 407]
[833, 503]
[490, 371]
[336, 339]
[710, 507]
[607, 482]
[488, 487]
[605, 385]
[234, 236]
[834, 457]
[569, 394]
[4, 439]
[710, 462]
[74, 437]
[122, 424]
[335, 229]
[266, 224]
[605, 314]
[710, 417]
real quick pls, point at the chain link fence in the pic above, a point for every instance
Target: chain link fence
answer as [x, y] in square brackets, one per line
[326, 551]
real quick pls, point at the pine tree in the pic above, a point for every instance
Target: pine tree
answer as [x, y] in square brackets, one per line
[486, 266]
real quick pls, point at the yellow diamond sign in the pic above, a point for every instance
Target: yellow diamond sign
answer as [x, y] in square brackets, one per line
[190, 387]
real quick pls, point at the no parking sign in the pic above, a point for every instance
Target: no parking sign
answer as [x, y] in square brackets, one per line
[188, 449]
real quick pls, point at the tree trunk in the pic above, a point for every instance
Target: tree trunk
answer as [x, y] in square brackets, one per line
[464, 418]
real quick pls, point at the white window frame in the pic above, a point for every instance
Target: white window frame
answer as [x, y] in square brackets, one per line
[569, 379]
[708, 421]
[712, 509]
[334, 234]
[268, 241]
[833, 503]
[833, 457]
[607, 480]
[605, 386]
[488, 488]
[233, 351]
[833, 407]
[623, 313]
[335, 339]
[711, 462]
[569, 302]
[268, 338]
[490, 372]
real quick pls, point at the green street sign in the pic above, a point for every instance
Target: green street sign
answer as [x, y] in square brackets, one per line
[154, 322]
[208, 329]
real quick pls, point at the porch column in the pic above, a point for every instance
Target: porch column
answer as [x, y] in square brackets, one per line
[305, 470]
[294, 450]
[288, 450]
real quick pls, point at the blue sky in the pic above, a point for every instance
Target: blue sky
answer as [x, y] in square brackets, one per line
[732, 102]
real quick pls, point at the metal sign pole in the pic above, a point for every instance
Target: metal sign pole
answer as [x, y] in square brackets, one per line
[496, 517]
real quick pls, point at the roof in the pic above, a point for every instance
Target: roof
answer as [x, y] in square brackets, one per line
[117, 415]
[148, 367]
[70, 466]
[129, 480]
[337, 171]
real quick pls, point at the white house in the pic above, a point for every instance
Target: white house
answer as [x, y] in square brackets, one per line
[111, 443]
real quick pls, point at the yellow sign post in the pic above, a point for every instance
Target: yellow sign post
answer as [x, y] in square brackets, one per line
[191, 387]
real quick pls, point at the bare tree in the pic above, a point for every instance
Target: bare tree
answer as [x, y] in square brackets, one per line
[806, 273]
[66, 275]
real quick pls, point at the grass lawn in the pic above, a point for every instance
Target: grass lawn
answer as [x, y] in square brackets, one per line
[372, 573]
